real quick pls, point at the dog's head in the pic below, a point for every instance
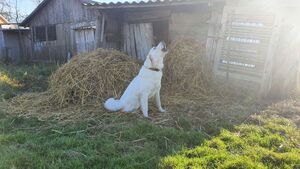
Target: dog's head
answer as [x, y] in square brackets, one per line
[155, 58]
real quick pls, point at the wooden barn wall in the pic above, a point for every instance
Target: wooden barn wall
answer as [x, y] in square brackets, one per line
[2, 43]
[189, 24]
[112, 37]
[182, 23]
[138, 31]
[282, 68]
[13, 46]
[214, 29]
[286, 62]
[10, 46]
[67, 15]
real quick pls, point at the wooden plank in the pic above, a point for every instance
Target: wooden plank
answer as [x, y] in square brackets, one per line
[146, 16]
[102, 28]
[142, 43]
[125, 30]
[98, 31]
[148, 36]
[85, 40]
[259, 54]
[138, 40]
[132, 41]
[267, 79]
[126, 35]
[213, 30]
[141, 37]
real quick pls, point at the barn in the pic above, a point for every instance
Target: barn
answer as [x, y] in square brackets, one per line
[135, 27]
[241, 37]
[13, 40]
[57, 30]
[61, 28]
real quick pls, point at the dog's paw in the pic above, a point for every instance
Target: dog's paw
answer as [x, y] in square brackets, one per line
[147, 117]
[162, 110]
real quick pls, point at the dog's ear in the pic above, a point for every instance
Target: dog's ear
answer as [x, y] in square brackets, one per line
[148, 61]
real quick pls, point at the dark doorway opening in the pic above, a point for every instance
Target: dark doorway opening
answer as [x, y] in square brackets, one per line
[160, 31]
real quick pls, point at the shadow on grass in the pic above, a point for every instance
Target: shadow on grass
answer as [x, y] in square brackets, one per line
[109, 142]
[127, 141]
[266, 140]
[17, 79]
[114, 140]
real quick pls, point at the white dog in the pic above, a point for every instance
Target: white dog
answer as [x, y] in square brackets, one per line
[144, 86]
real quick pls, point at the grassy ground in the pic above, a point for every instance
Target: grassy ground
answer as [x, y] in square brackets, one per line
[30, 143]
[272, 143]
[15, 79]
[127, 141]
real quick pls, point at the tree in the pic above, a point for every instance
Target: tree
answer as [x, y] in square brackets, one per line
[6, 10]
[37, 2]
[11, 12]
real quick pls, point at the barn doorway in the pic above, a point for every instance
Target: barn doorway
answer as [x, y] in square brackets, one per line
[85, 39]
[160, 31]
[139, 38]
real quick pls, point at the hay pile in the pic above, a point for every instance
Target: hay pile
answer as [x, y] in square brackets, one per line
[78, 89]
[94, 76]
[187, 69]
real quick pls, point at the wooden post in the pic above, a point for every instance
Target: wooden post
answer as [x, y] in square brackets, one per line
[98, 32]
[227, 57]
[102, 28]
[213, 37]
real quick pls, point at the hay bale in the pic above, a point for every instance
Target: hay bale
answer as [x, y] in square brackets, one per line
[187, 69]
[78, 88]
[93, 76]
[29, 103]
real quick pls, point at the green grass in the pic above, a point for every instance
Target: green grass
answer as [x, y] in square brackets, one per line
[274, 143]
[30, 143]
[17, 79]
[212, 135]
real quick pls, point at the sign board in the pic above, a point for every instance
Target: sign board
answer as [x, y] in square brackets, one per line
[246, 48]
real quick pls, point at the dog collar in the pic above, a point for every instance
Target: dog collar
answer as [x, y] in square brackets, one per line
[153, 69]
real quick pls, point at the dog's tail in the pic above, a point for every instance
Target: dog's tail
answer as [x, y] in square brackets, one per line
[113, 105]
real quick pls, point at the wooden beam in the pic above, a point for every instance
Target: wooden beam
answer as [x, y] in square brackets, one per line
[102, 27]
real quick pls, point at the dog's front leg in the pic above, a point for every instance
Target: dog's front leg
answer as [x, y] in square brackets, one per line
[158, 102]
[144, 104]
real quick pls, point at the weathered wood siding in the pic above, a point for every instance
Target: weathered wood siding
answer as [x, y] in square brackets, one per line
[189, 24]
[286, 62]
[214, 29]
[138, 40]
[68, 16]
[139, 33]
[246, 49]
[14, 47]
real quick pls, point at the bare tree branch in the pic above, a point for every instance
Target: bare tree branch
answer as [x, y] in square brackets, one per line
[6, 10]
[37, 2]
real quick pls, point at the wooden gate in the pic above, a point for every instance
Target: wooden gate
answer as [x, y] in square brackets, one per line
[245, 51]
[138, 39]
[85, 40]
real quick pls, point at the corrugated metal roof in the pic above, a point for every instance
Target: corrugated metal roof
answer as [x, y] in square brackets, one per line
[144, 3]
[118, 5]
[12, 27]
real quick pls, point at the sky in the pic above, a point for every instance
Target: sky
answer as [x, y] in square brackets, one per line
[27, 6]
